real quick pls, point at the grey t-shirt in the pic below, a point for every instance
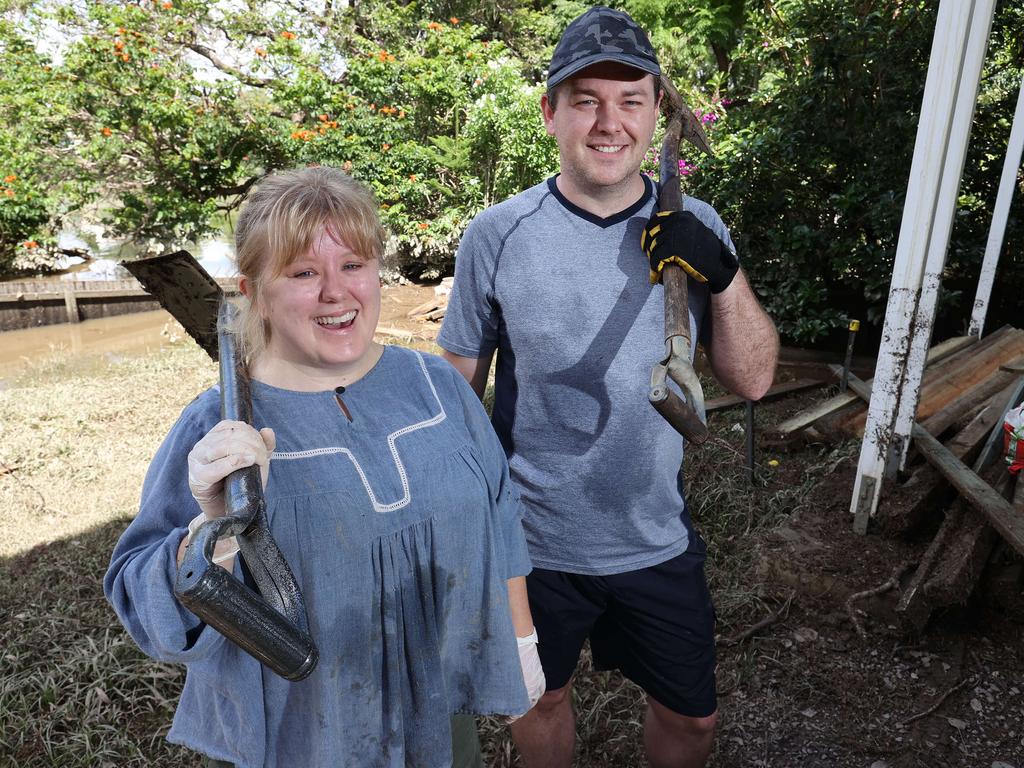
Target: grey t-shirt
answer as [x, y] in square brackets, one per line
[564, 297]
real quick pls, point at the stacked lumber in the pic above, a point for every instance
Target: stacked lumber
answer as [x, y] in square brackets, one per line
[959, 486]
[961, 374]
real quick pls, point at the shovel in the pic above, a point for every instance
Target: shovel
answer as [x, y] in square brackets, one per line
[686, 417]
[270, 622]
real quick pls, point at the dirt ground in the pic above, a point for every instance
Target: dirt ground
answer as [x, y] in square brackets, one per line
[806, 690]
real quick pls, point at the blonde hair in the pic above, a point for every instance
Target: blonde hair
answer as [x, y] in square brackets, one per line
[279, 221]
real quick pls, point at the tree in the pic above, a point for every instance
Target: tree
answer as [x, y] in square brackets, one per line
[171, 110]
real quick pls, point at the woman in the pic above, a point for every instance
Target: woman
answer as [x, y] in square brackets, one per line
[386, 490]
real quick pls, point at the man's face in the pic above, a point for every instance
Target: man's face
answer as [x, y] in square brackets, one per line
[603, 123]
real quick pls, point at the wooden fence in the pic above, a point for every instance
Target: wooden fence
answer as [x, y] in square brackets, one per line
[29, 303]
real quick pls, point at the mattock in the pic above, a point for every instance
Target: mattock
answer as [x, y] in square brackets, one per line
[686, 417]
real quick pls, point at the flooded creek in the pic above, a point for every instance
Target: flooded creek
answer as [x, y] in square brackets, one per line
[82, 346]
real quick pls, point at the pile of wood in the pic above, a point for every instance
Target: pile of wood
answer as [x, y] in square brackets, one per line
[957, 479]
[433, 310]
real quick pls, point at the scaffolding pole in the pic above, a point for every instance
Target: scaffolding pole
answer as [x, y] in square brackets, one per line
[951, 88]
[1000, 214]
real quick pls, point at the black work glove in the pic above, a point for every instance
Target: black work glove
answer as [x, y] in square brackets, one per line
[679, 237]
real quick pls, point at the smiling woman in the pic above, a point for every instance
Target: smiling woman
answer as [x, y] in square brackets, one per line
[314, 299]
[393, 507]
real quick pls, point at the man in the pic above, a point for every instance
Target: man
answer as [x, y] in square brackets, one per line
[556, 282]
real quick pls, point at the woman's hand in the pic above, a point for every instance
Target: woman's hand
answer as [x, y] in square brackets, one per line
[526, 639]
[228, 446]
[533, 673]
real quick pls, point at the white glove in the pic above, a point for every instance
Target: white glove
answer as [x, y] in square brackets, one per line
[533, 673]
[228, 446]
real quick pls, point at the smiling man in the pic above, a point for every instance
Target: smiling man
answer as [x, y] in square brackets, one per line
[556, 282]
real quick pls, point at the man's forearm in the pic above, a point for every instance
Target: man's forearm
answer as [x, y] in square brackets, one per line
[744, 343]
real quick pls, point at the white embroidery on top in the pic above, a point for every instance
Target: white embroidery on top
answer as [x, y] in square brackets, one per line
[406, 493]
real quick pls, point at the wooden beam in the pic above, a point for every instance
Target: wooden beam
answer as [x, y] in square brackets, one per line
[71, 304]
[777, 390]
[975, 491]
[924, 493]
[805, 418]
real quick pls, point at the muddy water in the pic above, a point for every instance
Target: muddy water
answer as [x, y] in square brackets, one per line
[82, 345]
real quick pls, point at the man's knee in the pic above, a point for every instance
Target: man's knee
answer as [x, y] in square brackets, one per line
[683, 725]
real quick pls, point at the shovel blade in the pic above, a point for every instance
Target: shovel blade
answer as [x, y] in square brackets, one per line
[185, 290]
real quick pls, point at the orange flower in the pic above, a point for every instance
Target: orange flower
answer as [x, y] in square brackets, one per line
[288, 35]
[106, 131]
[30, 244]
[333, 124]
[423, 225]
[119, 45]
[401, 113]
[9, 192]
[469, 55]
[385, 147]
[453, 20]
[121, 30]
[168, 4]
[391, 57]
[433, 25]
[346, 166]
[412, 177]
[323, 118]
[9, 178]
[260, 52]
[125, 57]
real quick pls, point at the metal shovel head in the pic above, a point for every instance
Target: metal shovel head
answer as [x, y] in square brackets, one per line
[184, 289]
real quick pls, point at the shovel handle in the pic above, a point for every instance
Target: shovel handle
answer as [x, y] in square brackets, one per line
[242, 616]
[678, 414]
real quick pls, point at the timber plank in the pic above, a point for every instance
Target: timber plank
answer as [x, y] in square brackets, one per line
[975, 491]
[777, 390]
[972, 367]
[922, 494]
[939, 352]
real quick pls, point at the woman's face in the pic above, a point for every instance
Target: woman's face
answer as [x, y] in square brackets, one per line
[322, 311]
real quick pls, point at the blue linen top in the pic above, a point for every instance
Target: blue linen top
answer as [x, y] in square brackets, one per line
[401, 527]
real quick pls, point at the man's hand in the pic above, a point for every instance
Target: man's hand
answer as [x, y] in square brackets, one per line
[679, 237]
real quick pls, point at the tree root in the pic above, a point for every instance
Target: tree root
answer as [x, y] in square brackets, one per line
[892, 582]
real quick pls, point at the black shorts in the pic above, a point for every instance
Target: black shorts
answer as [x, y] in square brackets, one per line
[656, 625]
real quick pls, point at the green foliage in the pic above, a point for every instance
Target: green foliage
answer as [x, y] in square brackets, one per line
[170, 110]
[159, 115]
[813, 159]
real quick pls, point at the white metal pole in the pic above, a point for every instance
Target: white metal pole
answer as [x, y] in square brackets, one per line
[961, 30]
[1000, 213]
[952, 172]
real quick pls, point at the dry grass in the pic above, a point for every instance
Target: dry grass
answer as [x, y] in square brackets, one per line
[74, 446]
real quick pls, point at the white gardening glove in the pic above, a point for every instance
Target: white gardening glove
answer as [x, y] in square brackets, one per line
[228, 446]
[533, 673]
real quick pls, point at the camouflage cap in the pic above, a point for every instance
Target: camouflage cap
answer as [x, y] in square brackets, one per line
[601, 34]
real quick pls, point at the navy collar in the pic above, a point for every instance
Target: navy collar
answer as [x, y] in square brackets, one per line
[609, 221]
